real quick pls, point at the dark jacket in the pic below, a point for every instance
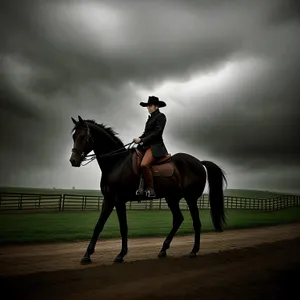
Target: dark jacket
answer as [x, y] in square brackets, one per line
[152, 136]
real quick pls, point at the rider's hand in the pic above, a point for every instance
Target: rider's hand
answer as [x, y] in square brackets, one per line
[137, 140]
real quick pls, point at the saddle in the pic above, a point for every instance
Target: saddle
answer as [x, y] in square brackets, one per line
[163, 167]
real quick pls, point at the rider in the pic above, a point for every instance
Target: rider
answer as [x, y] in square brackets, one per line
[151, 142]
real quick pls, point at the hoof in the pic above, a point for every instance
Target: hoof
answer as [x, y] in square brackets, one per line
[162, 254]
[192, 255]
[85, 260]
[118, 259]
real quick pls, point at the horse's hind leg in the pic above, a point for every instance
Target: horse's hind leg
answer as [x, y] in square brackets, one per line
[192, 203]
[177, 221]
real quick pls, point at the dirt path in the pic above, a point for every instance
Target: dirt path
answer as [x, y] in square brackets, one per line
[17, 260]
[268, 271]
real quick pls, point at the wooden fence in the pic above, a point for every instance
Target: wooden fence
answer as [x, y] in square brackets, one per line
[68, 202]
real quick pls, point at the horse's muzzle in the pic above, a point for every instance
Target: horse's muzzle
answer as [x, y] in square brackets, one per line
[74, 160]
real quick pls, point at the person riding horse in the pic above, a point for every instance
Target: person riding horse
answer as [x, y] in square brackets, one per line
[151, 143]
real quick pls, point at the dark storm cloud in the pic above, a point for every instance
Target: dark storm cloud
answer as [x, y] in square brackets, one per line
[26, 134]
[160, 40]
[11, 102]
[61, 58]
[257, 127]
[253, 133]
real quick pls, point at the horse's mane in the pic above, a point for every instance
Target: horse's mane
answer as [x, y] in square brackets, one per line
[108, 130]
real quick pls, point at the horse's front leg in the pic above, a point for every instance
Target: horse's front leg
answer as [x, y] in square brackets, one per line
[121, 212]
[106, 210]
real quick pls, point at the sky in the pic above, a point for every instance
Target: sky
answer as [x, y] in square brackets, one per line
[228, 70]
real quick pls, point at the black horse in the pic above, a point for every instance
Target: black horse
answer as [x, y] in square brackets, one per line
[120, 181]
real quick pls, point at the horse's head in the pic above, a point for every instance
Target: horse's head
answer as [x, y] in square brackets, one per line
[83, 142]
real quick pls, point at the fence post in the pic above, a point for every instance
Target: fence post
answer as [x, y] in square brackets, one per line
[82, 202]
[63, 202]
[59, 202]
[159, 207]
[20, 201]
[151, 205]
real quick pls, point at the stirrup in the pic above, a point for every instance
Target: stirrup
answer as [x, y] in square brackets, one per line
[139, 192]
[150, 193]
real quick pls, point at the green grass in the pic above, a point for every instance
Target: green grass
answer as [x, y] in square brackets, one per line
[70, 226]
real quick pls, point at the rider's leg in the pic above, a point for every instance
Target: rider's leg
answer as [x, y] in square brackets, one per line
[147, 160]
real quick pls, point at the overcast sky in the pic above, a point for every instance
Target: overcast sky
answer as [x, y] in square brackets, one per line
[228, 70]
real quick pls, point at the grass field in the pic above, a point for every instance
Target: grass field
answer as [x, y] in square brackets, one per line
[71, 226]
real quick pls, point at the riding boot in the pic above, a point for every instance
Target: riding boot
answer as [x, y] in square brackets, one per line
[150, 193]
[140, 190]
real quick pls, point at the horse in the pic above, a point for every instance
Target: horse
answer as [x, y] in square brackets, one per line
[180, 175]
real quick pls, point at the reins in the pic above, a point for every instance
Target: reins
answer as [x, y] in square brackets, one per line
[89, 158]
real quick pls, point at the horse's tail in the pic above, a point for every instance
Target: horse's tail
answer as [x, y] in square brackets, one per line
[216, 198]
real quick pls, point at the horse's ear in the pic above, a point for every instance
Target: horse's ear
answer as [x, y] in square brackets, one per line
[74, 121]
[80, 119]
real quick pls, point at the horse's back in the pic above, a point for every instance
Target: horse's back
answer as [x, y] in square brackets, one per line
[190, 168]
[182, 157]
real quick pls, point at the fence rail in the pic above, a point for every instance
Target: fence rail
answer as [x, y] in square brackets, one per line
[69, 202]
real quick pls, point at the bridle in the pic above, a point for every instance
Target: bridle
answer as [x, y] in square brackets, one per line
[88, 138]
[90, 157]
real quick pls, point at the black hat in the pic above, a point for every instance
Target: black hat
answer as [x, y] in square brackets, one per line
[153, 100]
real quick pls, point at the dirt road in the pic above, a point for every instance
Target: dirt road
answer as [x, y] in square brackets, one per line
[53, 271]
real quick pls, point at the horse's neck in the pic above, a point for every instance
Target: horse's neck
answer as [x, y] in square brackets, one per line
[107, 163]
[114, 164]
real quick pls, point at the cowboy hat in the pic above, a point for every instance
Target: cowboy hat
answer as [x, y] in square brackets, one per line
[153, 100]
